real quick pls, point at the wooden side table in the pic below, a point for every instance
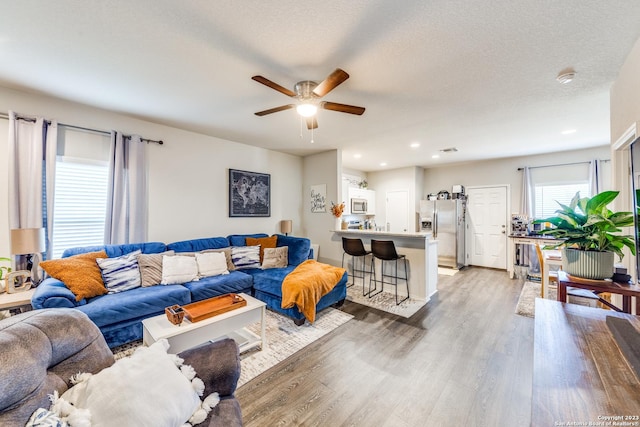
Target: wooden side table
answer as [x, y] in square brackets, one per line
[627, 290]
[17, 300]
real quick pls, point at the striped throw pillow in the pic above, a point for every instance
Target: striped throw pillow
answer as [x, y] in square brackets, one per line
[151, 268]
[245, 257]
[121, 273]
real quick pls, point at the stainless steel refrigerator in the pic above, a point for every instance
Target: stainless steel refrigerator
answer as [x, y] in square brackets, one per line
[445, 218]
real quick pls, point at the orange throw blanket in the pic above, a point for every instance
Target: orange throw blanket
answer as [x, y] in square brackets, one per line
[307, 283]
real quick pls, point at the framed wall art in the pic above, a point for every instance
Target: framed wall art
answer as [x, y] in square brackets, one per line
[319, 198]
[249, 194]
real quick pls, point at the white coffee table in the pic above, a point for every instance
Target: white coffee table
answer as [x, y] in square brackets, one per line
[231, 324]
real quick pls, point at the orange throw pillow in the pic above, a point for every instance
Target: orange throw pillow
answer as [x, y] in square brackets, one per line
[264, 242]
[80, 273]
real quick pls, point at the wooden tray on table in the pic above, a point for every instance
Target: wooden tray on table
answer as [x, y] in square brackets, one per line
[213, 306]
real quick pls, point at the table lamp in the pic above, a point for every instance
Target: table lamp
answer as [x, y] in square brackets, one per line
[286, 226]
[29, 242]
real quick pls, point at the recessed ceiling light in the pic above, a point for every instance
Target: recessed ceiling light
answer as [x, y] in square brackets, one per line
[435, 156]
[357, 156]
[415, 145]
[568, 131]
[383, 164]
[566, 76]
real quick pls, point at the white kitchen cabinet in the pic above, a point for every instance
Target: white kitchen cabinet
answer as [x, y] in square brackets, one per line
[371, 202]
[346, 195]
[362, 193]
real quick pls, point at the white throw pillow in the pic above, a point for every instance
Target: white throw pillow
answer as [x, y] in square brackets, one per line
[150, 388]
[177, 270]
[211, 264]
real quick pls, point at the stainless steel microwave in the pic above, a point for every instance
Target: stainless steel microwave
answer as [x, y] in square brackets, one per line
[358, 206]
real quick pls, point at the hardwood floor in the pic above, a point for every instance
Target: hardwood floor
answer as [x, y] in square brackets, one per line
[465, 359]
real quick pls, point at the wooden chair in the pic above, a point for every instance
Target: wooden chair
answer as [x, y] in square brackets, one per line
[553, 276]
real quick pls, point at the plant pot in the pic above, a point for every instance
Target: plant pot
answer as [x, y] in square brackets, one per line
[588, 264]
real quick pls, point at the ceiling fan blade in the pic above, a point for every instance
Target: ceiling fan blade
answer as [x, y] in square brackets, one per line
[275, 110]
[312, 123]
[273, 85]
[343, 108]
[331, 82]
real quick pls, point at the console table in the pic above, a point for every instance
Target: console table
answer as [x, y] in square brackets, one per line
[514, 241]
[627, 291]
[17, 300]
[579, 373]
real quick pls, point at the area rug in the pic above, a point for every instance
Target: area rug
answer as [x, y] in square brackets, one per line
[385, 301]
[531, 291]
[527, 302]
[284, 338]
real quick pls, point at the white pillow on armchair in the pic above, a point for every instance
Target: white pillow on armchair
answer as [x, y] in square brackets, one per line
[150, 388]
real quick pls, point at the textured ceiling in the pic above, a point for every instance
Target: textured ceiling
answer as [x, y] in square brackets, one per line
[475, 75]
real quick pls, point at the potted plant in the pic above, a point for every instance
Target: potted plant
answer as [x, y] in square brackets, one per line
[590, 235]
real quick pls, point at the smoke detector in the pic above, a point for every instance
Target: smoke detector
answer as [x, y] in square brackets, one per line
[566, 76]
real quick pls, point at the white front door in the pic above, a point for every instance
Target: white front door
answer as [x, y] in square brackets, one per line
[397, 210]
[487, 226]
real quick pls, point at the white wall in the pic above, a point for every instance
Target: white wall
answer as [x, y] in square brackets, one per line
[625, 112]
[323, 168]
[188, 175]
[5, 246]
[505, 171]
[625, 95]
[395, 180]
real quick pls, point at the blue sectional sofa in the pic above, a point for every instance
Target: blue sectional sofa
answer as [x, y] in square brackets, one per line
[119, 316]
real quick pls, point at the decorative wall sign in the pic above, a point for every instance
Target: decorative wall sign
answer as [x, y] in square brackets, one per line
[249, 193]
[319, 198]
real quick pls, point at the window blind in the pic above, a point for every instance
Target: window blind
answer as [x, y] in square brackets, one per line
[80, 203]
[548, 196]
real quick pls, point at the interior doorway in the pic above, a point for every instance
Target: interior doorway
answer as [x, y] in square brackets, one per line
[487, 226]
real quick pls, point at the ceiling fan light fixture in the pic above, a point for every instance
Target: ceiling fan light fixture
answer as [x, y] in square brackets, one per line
[307, 109]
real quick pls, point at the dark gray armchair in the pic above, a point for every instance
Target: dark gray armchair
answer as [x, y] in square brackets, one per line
[40, 350]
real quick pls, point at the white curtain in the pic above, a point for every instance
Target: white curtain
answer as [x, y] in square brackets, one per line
[33, 146]
[126, 220]
[595, 177]
[526, 205]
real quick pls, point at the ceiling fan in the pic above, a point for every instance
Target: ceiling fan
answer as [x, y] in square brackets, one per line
[308, 94]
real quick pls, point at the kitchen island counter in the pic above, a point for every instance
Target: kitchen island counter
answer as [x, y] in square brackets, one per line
[420, 250]
[418, 235]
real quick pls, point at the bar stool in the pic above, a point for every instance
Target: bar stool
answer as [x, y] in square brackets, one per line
[385, 250]
[355, 248]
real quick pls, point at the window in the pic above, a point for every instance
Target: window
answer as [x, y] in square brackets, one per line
[80, 203]
[547, 196]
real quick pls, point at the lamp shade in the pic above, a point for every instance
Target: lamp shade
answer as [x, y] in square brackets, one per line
[286, 226]
[26, 241]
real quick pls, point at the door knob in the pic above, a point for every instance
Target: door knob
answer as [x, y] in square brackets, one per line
[504, 232]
